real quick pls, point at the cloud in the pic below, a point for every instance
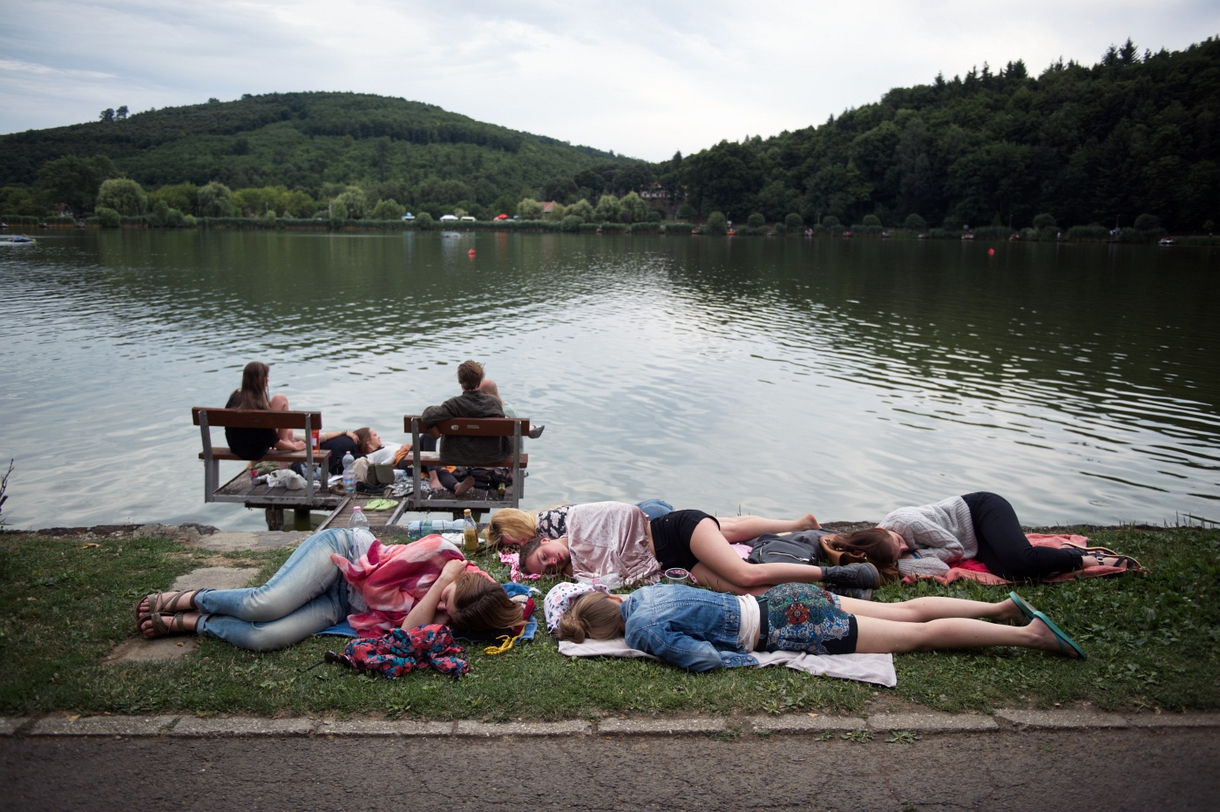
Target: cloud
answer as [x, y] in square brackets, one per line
[640, 78]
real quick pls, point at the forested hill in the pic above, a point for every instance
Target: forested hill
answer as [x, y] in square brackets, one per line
[1135, 133]
[304, 140]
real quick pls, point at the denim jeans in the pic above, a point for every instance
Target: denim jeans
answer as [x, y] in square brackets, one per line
[654, 508]
[691, 628]
[305, 596]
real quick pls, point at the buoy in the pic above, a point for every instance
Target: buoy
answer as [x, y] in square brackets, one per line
[471, 252]
[990, 252]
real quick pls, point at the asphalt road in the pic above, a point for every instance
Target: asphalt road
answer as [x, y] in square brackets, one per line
[1103, 769]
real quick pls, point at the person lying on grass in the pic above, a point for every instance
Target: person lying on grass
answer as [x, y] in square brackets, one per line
[929, 539]
[615, 544]
[701, 630]
[335, 575]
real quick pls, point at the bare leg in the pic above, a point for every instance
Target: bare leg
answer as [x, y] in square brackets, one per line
[721, 568]
[920, 610]
[279, 403]
[877, 636]
[744, 528]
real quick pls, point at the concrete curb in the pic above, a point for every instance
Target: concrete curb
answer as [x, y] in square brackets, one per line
[929, 723]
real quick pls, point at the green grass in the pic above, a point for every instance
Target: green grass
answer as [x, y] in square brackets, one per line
[1153, 642]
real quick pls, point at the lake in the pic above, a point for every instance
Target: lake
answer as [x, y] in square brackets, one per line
[758, 375]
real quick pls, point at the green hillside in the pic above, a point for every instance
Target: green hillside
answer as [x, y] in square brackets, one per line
[395, 148]
[1134, 134]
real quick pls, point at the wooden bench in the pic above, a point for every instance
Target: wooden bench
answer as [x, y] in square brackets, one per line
[241, 488]
[516, 462]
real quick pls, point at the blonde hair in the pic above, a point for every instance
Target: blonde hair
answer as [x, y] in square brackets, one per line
[480, 605]
[510, 527]
[595, 615]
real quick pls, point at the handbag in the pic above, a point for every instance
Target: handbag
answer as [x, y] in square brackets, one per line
[834, 553]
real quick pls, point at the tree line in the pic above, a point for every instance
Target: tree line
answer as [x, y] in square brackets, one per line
[1134, 135]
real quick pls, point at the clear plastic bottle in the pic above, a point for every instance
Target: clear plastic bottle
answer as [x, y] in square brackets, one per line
[417, 529]
[358, 519]
[470, 532]
[349, 473]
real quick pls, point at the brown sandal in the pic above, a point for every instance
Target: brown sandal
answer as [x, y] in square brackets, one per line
[165, 603]
[159, 628]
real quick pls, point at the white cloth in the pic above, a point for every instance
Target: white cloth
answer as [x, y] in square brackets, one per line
[876, 669]
[751, 620]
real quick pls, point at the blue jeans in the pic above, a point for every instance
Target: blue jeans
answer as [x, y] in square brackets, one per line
[654, 508]
[305, 596]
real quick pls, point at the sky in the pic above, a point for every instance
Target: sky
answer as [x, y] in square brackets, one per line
[644, 79]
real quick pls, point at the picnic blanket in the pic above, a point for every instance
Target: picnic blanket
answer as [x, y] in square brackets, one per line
[877, 669]
[977, 571]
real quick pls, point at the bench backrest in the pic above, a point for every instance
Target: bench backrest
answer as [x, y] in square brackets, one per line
[256, 419]
[476, 426]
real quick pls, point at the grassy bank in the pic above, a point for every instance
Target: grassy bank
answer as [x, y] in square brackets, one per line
[1153, 643]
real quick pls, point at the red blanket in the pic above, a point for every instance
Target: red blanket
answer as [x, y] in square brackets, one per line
[976, 570]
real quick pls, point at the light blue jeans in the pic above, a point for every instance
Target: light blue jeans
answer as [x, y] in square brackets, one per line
[305, 596]
[654, 508]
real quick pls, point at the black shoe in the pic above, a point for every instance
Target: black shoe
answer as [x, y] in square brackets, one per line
[856, 576]
[849, 592]
[536, 431]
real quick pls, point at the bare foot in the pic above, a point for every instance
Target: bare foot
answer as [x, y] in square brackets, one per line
[157, 625]
[1046, 639]
[808, 523]
[1011, 613]
[463, 486]
[435, 481]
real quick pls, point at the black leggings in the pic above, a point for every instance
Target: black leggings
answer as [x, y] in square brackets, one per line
[1003, 547]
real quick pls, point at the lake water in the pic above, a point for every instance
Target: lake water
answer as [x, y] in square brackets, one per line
[752, 375]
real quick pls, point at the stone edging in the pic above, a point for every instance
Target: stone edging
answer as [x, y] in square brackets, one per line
[918, 722]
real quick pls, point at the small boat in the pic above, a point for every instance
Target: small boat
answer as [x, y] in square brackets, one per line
[18, 239]
[1165, 241]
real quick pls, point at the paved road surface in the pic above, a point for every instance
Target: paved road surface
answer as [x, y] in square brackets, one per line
[1103, 769]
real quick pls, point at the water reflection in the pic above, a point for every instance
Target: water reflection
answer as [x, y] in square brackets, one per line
[761, 375]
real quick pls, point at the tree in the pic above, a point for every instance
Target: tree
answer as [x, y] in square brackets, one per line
[717, 224]
[121, 113]
[634, 209]
[793, 221]
[582, 209]
[74, 181]
[915, 223]
[387, 210]
[355, 201]
[107, 114]
[608, 210]
[756, 220]
[529, 209]
[108, 218]
[180, 196]
[1044, 220]
[215, 200]
[561, 190]
[124, 196]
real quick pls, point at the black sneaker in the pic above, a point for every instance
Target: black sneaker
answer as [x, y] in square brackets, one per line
[849, 592]
[536, 431]
[856, 576]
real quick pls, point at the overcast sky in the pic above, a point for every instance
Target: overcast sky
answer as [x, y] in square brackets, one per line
[644, 79]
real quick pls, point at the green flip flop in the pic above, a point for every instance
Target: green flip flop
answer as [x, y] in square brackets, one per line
[1065, 642]
[1024, 606]
[380, 504]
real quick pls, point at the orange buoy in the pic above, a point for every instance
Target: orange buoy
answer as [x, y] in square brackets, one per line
[471, 252]
[990, 252]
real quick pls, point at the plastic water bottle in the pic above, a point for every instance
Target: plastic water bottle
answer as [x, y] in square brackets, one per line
[349, 473]
[426, 527]
[470, 533]
[358, 519]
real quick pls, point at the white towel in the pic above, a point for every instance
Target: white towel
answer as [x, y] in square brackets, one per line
[877, 669]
